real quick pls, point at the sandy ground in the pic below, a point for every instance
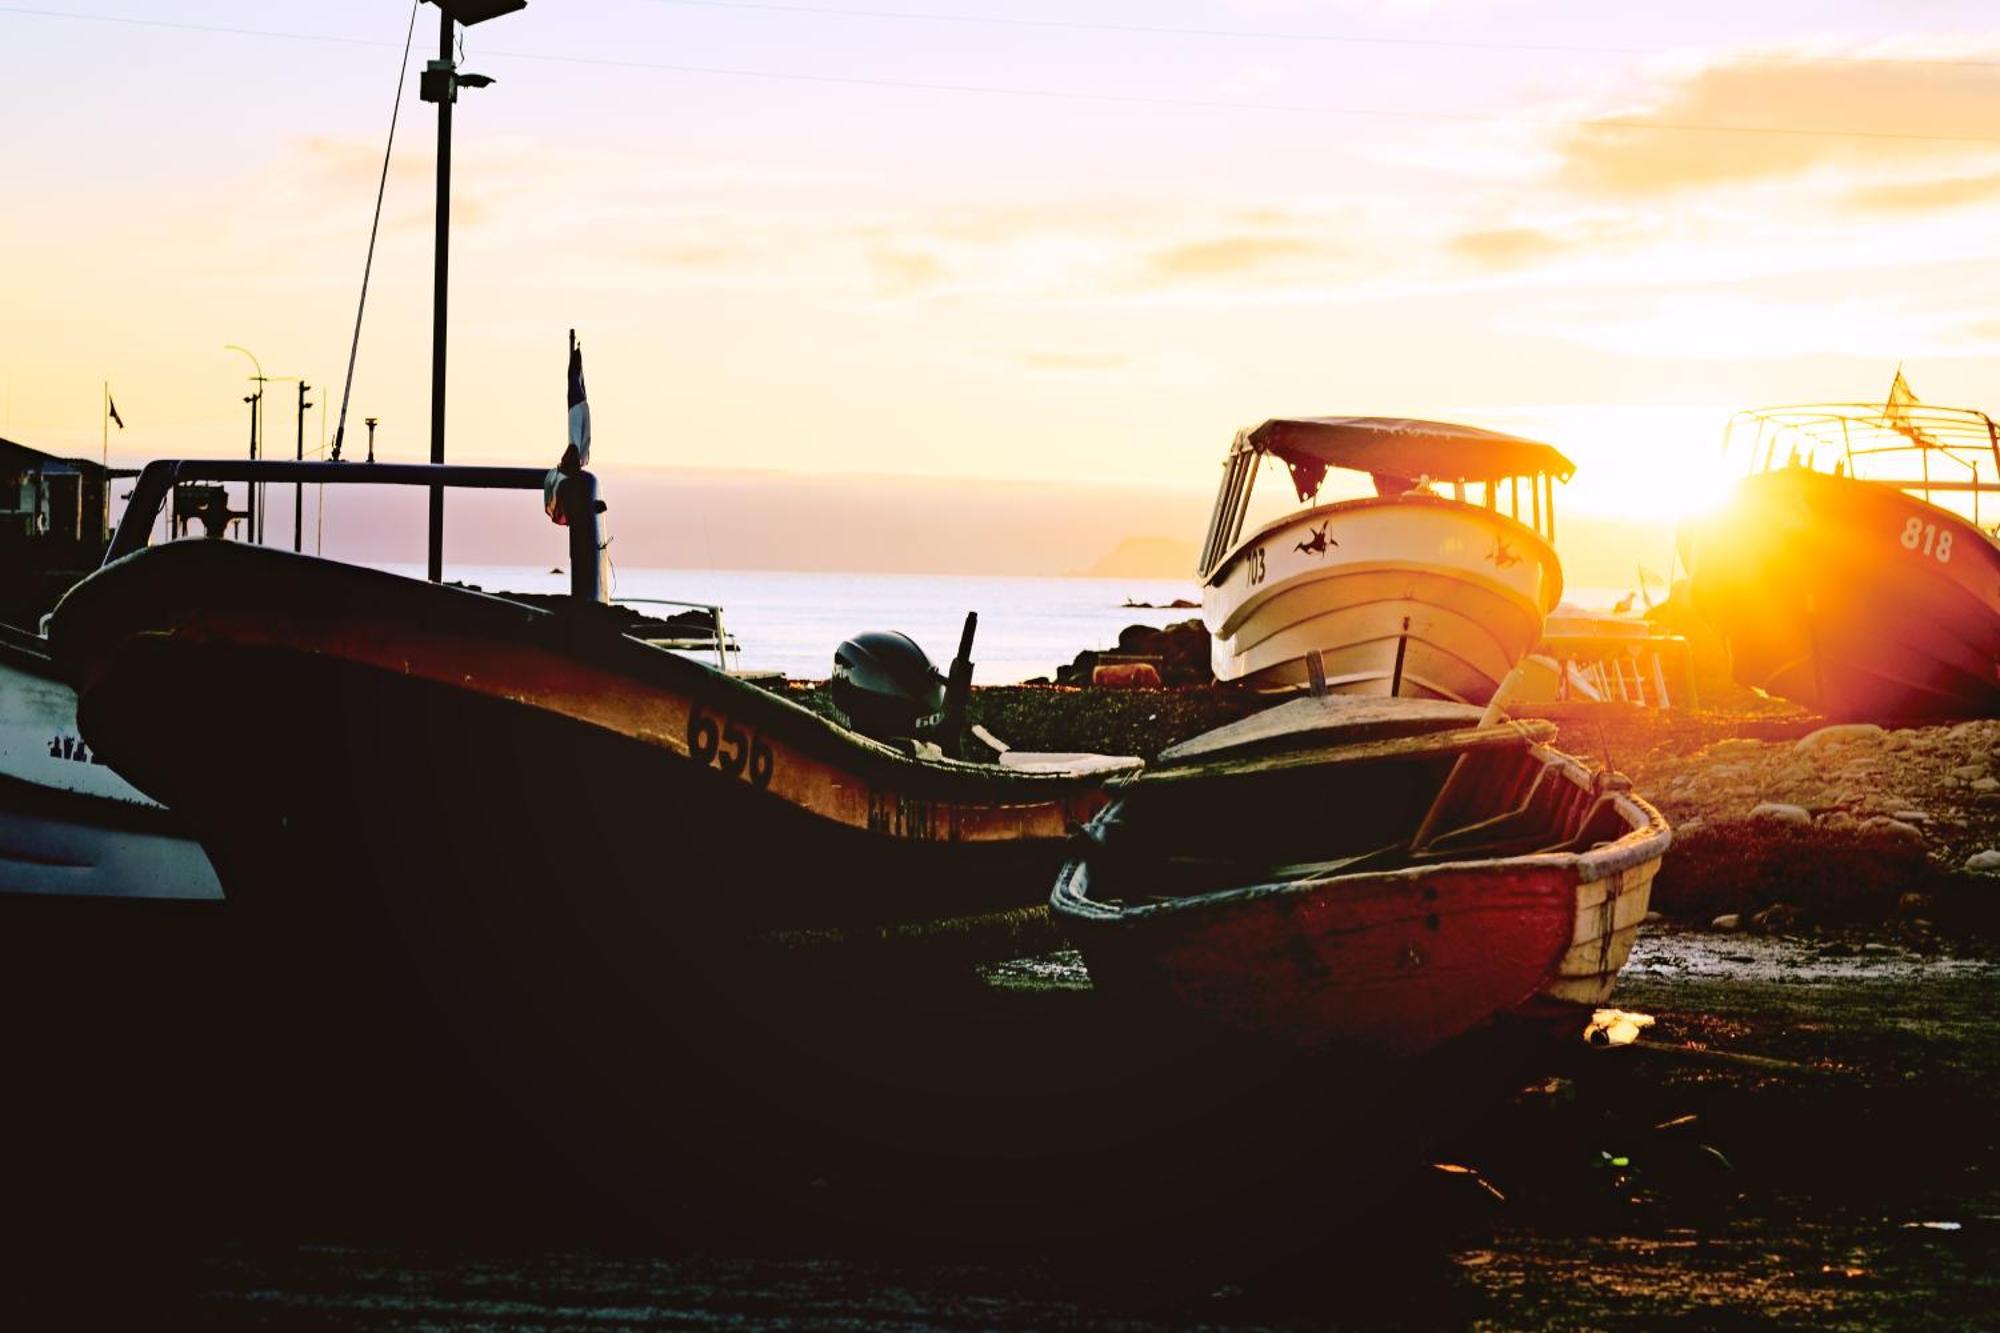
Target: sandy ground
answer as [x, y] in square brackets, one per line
[1804, 1139]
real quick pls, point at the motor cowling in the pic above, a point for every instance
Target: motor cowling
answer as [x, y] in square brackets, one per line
[885, 684]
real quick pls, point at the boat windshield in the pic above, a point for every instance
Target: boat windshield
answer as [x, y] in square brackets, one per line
[1326, 460]
[1945, 456]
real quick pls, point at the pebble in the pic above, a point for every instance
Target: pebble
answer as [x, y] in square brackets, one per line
[1910, 816]
[1782, 813]
[1883, 826]
[1988, 783]
[1688, 826]
[1839, 734]
[1728, 921]
[1967, 772]
[1984, 863]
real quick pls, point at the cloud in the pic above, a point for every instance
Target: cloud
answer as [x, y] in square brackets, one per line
[1507, 247]
[1876, 113]
[1074, 362]
[1224, 256]
[1913, 196]
[904, 272]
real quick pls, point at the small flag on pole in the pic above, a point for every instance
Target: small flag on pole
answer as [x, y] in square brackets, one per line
[111, 405]
[579, 406]
[577, 455]
[1896, 412]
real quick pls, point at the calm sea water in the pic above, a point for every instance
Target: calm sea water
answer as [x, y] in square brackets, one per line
[792, 621]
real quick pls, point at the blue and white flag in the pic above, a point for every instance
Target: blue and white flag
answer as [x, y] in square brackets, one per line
[579, 406]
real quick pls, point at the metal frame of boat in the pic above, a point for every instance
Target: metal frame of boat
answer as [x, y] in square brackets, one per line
[1408, 593]
[1414, 878]
[1848, 580]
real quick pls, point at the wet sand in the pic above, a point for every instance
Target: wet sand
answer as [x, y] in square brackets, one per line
[1804, 1139]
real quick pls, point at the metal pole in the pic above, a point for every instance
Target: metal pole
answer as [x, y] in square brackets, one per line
[439, 289]
[298, 487]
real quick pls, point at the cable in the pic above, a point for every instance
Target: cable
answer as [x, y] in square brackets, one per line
[374, 226]
[994, 90]
[1152, 30]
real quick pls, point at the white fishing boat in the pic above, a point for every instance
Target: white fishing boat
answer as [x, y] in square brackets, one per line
[71, 827]
[1427, 581]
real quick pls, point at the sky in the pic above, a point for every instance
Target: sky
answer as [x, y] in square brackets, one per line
[1036, 242]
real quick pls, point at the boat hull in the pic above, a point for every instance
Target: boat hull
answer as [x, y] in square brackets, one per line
[1825, 601]
[483, 841]
[1416, 596]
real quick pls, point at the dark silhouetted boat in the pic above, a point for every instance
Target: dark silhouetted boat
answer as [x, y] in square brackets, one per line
[1854, 570]
[1371, 876]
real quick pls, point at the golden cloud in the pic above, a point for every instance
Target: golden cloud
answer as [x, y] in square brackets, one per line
[1926, 195]
[1505, 247]
[1776, 116]
[1226, 255]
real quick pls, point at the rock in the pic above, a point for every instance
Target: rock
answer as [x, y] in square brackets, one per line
[1986, 784]
[1736, 746]
[1689, 827]
[1652, 918]
[1968, 772]
[1881, 826]
[1984, 863]
[1910, 816]
[1727, 921]
[1840, 734]
[1912, 902]
[1837, 820]
[1778, 916]
[1781, 813]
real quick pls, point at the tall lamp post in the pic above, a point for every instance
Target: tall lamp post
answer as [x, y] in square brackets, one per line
[441, 82]
[256, 402]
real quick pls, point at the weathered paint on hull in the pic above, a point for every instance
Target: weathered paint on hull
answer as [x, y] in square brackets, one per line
[1811, 581]
[1458, 591]
[1385, 969]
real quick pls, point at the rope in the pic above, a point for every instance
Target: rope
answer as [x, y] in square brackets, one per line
[374, 226]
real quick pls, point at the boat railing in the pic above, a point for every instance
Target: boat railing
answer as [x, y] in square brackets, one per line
[715, 614]
[159, 479]
[1857, 439]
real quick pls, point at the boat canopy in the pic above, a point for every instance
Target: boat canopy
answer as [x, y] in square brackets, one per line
[1402, 447]
[1399, 453]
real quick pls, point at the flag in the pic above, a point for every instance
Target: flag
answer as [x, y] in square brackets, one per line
[579, 407]
[111, 406]
[1896, 412]
[577, 456]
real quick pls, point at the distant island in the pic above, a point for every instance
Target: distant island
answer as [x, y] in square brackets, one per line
[1177, 604]
[1145, 558]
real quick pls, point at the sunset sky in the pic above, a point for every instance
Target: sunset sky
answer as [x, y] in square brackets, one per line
[1079, 241]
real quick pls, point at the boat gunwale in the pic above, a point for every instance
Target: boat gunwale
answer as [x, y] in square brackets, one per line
[522, 625]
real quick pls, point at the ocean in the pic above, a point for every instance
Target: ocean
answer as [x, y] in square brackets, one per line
[791, 621]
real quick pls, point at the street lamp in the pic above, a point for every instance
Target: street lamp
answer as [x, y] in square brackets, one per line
[256, 402]
[440, 83]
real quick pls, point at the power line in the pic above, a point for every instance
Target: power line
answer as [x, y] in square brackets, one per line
[1154, 30]
[998, 90]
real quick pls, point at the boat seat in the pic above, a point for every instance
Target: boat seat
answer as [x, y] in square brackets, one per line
[1030, 761]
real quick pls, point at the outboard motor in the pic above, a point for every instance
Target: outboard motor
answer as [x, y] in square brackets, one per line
[885, 684]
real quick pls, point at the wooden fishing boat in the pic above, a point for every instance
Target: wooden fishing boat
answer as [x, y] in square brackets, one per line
[70, 826]
[1853, 570]
[426, 724]
[1408, 591]
[1376, 877]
